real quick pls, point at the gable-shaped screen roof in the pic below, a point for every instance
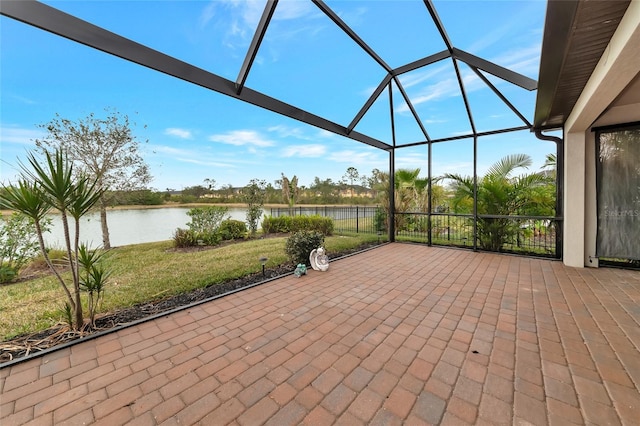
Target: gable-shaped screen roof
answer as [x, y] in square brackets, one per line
[394, 80]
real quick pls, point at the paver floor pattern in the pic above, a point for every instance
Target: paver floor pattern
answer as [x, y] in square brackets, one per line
[401, 334]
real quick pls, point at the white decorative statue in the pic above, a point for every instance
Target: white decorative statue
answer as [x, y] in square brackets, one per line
[319, 260]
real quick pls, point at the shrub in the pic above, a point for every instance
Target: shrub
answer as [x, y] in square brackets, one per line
[189, 238]
[254, 195]
[208, 238]
[204, 228]
[324, 225]
[232, 229]
[7, 274]
[18, 244]
[274, 225]
[285, 224]
[184, 238]
[205, 220]
[380, 220]
[300, 244]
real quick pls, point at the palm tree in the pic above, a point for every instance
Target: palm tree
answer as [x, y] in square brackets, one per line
[406, 194]
[499, 193]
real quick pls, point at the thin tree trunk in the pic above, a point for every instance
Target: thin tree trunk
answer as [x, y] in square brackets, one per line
[79, 320]
[76, 283]
[106, 243]
[47, 260]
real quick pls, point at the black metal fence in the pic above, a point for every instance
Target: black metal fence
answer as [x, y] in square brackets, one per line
[537, 236]
[359, 219]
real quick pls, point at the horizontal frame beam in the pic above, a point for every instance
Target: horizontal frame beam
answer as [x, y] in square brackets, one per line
[494, 69]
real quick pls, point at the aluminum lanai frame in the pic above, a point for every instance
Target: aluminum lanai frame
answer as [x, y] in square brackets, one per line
[65, 25]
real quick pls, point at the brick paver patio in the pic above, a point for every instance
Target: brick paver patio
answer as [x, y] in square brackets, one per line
[402, 334]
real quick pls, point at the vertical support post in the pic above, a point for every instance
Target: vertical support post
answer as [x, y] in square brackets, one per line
[392, 172]
[392, 199]
[475, 192]
[429, 194]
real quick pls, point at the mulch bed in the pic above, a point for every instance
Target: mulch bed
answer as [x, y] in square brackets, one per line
[29, 344]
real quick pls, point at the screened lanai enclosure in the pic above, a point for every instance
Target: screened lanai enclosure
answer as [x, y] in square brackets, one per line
[465, 167]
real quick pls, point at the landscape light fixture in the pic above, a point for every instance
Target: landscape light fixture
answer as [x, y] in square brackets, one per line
[263, 261]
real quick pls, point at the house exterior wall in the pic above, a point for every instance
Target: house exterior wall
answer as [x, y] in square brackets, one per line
[617, 68]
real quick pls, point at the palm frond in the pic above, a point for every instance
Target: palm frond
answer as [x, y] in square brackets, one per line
[26, 197]
[506, 165]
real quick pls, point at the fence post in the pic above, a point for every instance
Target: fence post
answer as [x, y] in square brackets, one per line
[357, 220]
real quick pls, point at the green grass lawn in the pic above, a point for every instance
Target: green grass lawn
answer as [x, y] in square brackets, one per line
[146, 272]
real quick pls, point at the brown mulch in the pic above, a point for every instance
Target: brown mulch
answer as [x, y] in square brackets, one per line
[28, 344]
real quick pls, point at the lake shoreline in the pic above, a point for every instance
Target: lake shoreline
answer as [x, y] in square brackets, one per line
[192, 205]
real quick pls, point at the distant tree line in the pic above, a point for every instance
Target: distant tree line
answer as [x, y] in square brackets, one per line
[353, 188]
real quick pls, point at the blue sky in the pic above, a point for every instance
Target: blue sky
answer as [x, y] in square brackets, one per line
[305, 60]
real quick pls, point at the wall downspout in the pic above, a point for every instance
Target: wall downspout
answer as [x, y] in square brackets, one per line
[559, 186]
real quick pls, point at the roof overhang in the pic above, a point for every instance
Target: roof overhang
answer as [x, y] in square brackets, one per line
[576, 34]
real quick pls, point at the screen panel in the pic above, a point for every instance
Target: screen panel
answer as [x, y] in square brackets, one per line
[618, 192]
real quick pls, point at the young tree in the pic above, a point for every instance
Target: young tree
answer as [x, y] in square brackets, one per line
[103, 149]
[290, 190]
[254, 196]
[47, 185]
[351, 175]
[210, 183]
[196, 191]
[272, 194]
[326, 190]
[227, 192]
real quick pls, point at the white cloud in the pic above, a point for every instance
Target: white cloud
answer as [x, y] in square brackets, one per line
[18, 135]
[177, 132]
[23, 100]
[287, 131]
[306, 134]
[464, 168]
[418, 76]
[355, 157]
[434, 121]
[508, 28]
[322, 133]
[242, 138]
[412, 161]
[524, 60]
[208, 12]
[292, 9]
[445, 88]
[209, 163]
[169, 150]
[309, 151]
[239, 18]
[189, 156]
[356, 17]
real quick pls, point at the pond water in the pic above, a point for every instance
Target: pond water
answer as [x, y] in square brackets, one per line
[130, 226]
